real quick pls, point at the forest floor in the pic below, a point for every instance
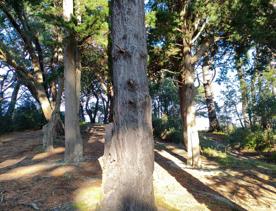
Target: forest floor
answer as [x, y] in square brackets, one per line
[33, 180]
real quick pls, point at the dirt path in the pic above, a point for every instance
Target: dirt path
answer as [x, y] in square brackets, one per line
[33, 180]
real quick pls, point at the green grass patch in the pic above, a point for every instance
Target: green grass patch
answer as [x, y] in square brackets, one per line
[228, 161]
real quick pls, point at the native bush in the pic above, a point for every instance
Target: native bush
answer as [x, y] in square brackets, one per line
[167, 128]
[258, 139]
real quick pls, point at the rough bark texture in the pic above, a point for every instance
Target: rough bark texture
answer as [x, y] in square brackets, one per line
[55, 125]
[187, 109]
[128, 157]
[73, 141]
[44, 102]
[209, 98]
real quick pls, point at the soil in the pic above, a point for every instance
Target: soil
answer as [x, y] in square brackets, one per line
[31, 179]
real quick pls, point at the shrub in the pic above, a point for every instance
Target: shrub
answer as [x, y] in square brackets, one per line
[258, 140]
[27, 116]
[5, 124]
[168, 128]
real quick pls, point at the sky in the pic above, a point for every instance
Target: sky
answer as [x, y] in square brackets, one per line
[202, 123]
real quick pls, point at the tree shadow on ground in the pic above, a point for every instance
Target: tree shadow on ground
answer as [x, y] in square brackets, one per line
[201, 192]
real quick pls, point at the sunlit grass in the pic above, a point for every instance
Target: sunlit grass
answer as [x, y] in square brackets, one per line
[227, 160]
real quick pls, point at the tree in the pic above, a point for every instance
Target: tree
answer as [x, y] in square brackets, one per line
[32, 76]
[209, 97]
[72, 74]
[128, 156]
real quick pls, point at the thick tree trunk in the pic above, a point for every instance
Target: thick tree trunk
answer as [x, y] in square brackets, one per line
[44, 102]
[13, 100]
[73, 141]
[209, 98]
[128, 160]
[55, 125]
[187, 108]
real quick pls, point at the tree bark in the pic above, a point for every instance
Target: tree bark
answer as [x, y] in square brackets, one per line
[10, 110]
[128, 160]
[73, 141]
[96, 109]
[55, 125]
[187, 108]
[243, 88]
[209, 98]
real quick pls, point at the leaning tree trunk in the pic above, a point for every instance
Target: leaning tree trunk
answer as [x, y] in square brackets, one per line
[209, 98]
[11, 107]
[128, 156]
[73, 141]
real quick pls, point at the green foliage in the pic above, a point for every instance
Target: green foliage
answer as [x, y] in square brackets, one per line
[28, 117]
[258, 140]
[265, 109]
[167, 129]
[25, 117]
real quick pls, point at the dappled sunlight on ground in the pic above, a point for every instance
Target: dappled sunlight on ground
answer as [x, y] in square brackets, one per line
[44, 155]
[11, 162]
[61, 171]
[88, 195]
[26, 171]
[29, 176]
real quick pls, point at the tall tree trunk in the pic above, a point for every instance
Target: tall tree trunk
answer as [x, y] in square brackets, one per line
[13, 100]
[187, 108]
[110, 96]
[253, 94]
[73, 141]
[243, 87]
[209, 98]
[128, 160]
[105, 104]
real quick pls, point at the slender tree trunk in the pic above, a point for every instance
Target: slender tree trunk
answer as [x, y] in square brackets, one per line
[82, 118]
[96, 109]
[209, 98]
[73, 141]
[13, 100]
[128, 160]
[110, 96]
[253, 118]
[243, 88]
[105, 109]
